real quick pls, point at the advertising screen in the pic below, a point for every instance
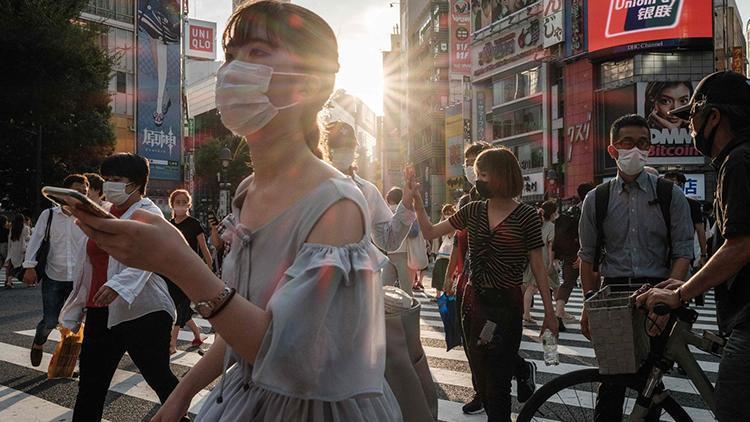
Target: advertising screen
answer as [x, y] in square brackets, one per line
[159, 125]
[671, 142]
[631, 25]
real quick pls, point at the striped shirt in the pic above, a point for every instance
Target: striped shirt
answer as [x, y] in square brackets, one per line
[498, 256]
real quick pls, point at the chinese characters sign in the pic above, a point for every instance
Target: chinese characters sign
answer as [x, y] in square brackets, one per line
[460, 39]
[159, 124]
[638, 24]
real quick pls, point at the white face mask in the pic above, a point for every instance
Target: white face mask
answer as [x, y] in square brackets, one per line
[470, 174]
[342, 158]
[180, 210]
[115, 192]
[241, 99]
[631, 161]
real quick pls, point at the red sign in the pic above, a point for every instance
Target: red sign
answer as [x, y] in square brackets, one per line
[201, 42]
[460, 38]
[637, 24]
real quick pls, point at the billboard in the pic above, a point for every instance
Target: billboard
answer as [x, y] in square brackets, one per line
[201, 40]
[504, 48]
[454, 150]
[628, 25]
[554, 23]
[671, 142]
[159, 105]
[460, 38]
[485, 12]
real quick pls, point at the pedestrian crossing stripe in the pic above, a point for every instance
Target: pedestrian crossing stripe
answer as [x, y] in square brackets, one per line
[132, 384]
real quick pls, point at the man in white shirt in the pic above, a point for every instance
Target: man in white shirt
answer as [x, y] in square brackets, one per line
[65, 238]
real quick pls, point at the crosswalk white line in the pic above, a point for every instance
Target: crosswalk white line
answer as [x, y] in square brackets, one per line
[18, 406]
[124, 382]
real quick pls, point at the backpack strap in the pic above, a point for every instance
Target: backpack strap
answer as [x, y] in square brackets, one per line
[664, 189]
[602, 205]
[49, 223]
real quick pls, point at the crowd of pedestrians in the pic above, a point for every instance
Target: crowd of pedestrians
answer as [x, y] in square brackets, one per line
[292, 284]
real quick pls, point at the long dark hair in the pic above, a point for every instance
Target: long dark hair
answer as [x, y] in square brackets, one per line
[304, 34]
[16, 227]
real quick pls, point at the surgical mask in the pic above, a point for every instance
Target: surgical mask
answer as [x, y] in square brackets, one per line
[631, 161]
[483, 188]
[241, 99]
[115, 192]
[470, 174]
[704, 144]
[180, 210]
[393, 207]
[342, 158]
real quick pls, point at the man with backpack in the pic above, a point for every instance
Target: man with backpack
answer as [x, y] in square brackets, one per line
[51, 259]
[566, 246]
[634, 229]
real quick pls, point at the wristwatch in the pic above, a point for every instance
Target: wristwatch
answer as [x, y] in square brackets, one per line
[209, 308]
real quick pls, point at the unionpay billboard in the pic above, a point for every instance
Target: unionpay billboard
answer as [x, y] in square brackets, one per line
[630, 25]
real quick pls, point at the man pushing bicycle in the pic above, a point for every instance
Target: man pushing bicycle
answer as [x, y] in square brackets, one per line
[719, 115]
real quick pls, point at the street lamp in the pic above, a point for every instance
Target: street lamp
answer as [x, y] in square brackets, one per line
[225, 156]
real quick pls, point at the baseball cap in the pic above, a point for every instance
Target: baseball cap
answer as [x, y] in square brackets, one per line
[725, 87]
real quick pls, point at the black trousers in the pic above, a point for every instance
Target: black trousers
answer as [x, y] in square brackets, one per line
[494, 364]
[146, 339]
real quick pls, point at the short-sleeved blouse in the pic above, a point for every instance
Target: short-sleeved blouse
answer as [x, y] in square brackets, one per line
[498, 256]
[323, 356]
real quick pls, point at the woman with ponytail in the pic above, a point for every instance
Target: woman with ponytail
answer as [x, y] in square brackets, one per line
[299, 314]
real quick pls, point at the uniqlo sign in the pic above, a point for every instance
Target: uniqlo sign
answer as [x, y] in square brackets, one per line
[642, 24]
[201, 40]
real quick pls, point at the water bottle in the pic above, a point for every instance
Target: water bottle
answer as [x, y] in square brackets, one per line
[551, 356]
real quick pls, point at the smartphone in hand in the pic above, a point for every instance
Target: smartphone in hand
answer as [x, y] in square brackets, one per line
[70, 199]
[212, 218]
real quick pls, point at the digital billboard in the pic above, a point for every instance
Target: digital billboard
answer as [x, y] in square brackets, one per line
[629, 25]
[159, 105]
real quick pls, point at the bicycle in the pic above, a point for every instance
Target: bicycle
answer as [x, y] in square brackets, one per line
[572, 396]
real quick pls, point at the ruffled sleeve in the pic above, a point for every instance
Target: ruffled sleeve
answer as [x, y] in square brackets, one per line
[326, 340]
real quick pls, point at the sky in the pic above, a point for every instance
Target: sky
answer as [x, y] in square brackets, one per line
[363, 29]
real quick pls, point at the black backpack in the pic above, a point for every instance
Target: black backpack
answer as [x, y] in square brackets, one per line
[567, 244]
[663, 199]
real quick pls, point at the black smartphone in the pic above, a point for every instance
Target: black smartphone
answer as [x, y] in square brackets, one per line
[70, 199]
[212, 218]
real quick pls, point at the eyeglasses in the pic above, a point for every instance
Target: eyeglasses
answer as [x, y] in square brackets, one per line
[643, 145]
[697, 107]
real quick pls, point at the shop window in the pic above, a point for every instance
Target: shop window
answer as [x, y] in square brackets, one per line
[517, 122]
[121, 84]
[520, 85]
[530, 156]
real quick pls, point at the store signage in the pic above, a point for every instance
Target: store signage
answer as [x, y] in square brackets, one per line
[460, 38]
[201, 42]
[578, 133]
[533, 184]
[738, 60]
[638, 24]
[554, 31]
[671, 142]
[507, 47]
[480, 115]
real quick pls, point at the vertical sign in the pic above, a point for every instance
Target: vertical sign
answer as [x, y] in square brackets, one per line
[201, 40]
[460, 40]
[480, 116]
[159, 106]
[554, 31]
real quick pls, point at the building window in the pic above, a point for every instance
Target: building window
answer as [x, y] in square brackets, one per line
[530, 156]
[617, 73]
[121, 84]
[517, 122]
[515, 87]
[121, 10]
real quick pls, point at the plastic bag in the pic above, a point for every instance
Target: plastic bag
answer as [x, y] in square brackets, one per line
[448, 308]
[64, 360]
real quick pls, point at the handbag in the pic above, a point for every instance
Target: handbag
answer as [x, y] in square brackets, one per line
[406, 368]
[416, 252]
[42, 252]
[448, 308]
[64, 360]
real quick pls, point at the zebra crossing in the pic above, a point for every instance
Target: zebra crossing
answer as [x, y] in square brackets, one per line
[21, 401]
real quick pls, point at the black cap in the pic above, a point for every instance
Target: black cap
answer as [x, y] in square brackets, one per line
[726, 87]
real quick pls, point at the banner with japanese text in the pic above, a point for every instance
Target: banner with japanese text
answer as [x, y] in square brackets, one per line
[159, 99]
[460, 38]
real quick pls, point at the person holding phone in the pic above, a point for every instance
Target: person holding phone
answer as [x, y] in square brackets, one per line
[180, 202]
[302, 270]
[56, 277]
[126, 309]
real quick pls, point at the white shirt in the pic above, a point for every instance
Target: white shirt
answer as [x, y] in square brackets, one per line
[65, 238]
[139, 292]
[446, 247]
[388, 229]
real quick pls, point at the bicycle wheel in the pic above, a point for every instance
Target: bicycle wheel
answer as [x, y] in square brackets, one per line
[572, 397]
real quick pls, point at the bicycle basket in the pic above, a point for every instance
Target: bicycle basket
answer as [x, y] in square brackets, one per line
[617, 330]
